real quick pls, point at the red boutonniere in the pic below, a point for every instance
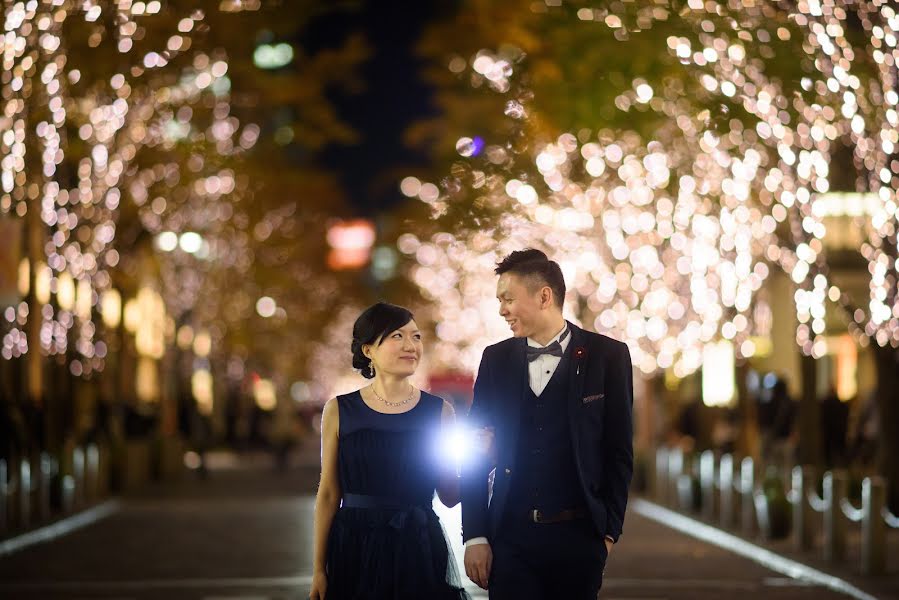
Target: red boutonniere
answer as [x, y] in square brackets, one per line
[579, 353]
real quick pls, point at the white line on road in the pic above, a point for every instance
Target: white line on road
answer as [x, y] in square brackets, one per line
[732, 543]
[301, 581]
[59, 528]
[131, 584]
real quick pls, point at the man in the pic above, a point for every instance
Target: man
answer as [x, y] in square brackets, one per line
[558, 400]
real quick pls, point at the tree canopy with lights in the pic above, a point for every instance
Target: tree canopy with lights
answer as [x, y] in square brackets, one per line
[669, 156]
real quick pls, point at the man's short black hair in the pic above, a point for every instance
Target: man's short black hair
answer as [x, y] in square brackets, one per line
[534, 266]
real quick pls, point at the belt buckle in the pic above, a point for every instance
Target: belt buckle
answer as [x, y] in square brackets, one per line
[537, 516]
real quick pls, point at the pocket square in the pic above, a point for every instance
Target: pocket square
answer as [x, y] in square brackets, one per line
[588, 399]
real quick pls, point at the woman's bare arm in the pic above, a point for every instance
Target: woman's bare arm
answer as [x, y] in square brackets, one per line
[448, 485]
[328, 497]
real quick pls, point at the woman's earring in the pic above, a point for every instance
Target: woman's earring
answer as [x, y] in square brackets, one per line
[371, 369]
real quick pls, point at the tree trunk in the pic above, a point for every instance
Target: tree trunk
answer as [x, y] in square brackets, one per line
[887, 360]
[809, 415]
[748, 442]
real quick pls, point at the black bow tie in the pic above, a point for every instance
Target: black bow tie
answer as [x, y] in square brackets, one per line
[555, 349]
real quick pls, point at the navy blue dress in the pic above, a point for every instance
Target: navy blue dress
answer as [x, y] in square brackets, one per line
[386, 542]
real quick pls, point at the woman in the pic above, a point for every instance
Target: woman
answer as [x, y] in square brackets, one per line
[376, 534]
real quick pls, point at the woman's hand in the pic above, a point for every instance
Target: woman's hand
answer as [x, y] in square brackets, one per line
[319, 586]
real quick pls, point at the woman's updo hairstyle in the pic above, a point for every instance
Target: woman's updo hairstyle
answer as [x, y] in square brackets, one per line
[372, 326]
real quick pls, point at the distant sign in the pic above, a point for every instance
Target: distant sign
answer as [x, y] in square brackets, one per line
[351, 243]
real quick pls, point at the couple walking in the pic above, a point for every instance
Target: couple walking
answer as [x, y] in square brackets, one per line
[552, 415]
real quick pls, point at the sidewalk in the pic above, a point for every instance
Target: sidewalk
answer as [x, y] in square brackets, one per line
[885, 586]
[653, 561]
[246, 532]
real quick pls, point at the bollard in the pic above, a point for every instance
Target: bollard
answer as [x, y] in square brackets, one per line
[762, 513]
[67, 491]
[44, 485]
[803, 533]
[726, 490]
[103, 461]
[747, 502]
[24, 494]
[77, 477]
[836, 485]
[707, 484]
[661, 476]
[685, 499]
[675, 470]
[92, 474]
[873, 526]
[4, 495]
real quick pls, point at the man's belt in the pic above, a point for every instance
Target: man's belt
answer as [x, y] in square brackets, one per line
[538, 516]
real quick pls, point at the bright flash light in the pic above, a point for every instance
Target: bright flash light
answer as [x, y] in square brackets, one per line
[455, 445]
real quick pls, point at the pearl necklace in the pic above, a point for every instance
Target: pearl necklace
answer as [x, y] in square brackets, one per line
[401, 403]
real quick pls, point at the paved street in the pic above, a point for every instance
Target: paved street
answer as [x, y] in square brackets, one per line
[246, 532]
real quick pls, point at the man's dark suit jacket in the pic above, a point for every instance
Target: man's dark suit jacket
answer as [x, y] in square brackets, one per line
[600, 419]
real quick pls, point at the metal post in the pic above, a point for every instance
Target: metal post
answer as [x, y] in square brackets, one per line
[836, 485]
[726, 490]
[707, 484]
[873, 526]
[92, 477]
[46, 480]
[78, 477]
[685, 493]
[661, 476]
[803, 534]
[675, 469]
[103, 454]
[4, 494]
[747, 486]
[24, 493]
[763, 514]
[68, 493]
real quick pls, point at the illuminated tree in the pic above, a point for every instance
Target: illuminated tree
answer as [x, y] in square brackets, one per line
[757, 111]
[73, 129]
[122, 122]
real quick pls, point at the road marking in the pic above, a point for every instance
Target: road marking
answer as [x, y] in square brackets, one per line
[741, 547]
[161, 584]
[60, 528]
[303, 581]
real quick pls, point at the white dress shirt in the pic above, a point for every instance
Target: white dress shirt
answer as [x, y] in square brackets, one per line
[540, 371]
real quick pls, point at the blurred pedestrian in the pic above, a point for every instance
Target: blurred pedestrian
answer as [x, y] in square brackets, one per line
[781, 438]
[866, 431]
[834, 426]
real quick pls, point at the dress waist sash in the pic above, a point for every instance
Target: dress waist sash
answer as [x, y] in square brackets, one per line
[384, 502]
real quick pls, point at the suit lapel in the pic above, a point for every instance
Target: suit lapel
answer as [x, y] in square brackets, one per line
[577, 367]
[518, 378]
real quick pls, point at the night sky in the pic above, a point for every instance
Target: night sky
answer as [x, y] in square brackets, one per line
[394, 97]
